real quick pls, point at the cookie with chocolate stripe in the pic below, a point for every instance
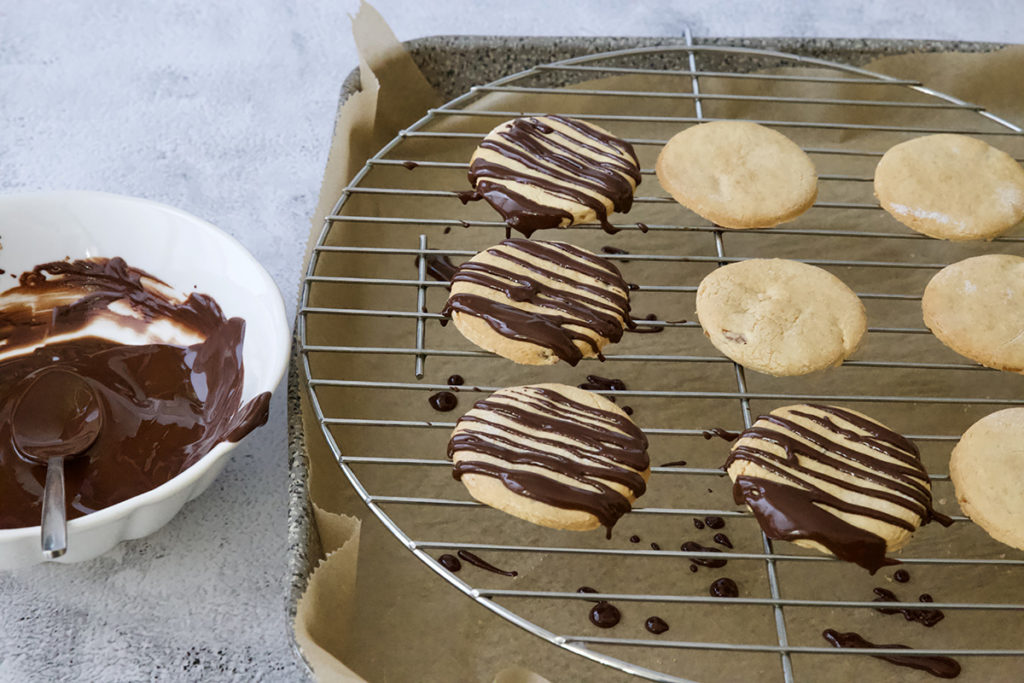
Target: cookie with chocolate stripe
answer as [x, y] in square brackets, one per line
[834, 480]
[551, 454]
[537, 302]
[552, 172]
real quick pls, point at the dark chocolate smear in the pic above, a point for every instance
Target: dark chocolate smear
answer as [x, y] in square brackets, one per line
[925, 617]
[164, 406]
[410, 164]
[477, 561]
[655, 546]
[602, 165]
[642, 227]
[698, 524]
[627, 410]
[604, 615]
[588, 445]
[439, 267]
[634, 539]
[455, 381]
[675, 463]
[901, 576]
[598, 383]
[723, 540]
[640, 328]
[720, 433]
[940, 667]
[693, 546]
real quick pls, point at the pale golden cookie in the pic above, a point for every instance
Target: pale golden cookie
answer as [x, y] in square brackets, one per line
[738, 174]
[831, 479]
[553, 171]
[780, 317]
[976, 308]
[536, 302]
[551, 454]
[986, 468]
[951, 187]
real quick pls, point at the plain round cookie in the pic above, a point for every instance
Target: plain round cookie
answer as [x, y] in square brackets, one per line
[537, 302]
[780, 317]
[553, 171]
[951, 187]
[738, 174]
[976, 308]
[551, 454]
[811, 472]
[986, 468]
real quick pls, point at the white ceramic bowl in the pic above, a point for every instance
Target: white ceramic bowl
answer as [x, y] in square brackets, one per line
[183, 251]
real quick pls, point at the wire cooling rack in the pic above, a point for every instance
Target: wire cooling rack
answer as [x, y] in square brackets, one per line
[373, 350]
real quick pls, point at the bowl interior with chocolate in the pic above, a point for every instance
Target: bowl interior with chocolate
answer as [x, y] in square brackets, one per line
[175, 327]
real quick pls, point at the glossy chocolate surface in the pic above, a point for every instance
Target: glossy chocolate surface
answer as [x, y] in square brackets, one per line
[163, 406]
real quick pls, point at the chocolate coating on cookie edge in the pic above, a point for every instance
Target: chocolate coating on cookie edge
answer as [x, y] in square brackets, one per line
[794, 512]
[574, 165]
[606, 447]
[603, 309]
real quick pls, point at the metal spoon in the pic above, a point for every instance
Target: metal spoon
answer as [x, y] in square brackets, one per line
[56, 417]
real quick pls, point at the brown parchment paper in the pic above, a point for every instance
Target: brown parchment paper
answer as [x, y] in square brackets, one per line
[372, 610]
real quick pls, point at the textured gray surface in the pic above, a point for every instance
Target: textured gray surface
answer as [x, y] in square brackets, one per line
[226, 110]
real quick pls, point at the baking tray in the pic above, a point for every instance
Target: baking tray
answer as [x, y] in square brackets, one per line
[452, 65]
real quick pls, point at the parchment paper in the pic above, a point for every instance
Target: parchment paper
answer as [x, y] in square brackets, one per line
[399, 622]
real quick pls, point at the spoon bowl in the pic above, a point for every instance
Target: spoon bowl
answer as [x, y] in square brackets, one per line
[57, 416]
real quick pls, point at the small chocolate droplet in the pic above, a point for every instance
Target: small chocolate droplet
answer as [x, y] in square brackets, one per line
[722, 539]
[634, 539]
[456, 381]
[450, 562]
[724, 588]
[693, 568]
[604, 615]
[697, 523]
[901, 576]
[443, 401]
[655, 546]
[656, 625]
[715, 522]
[627, 410]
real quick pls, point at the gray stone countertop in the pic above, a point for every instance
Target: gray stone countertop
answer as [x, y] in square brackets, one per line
[225, 109]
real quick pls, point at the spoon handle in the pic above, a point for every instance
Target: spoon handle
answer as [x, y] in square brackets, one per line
[55, 524]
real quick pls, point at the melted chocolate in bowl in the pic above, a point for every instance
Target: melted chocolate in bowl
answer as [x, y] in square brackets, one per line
[164, 405]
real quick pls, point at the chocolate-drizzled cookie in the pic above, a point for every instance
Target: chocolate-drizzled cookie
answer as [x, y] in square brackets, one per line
[536, 302]
[551, 454]
[553, 171]
[834, 480]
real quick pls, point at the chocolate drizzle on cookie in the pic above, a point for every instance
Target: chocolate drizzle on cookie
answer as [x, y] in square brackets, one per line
[527, 436]
[566, 159]
[590, 301]
[816, 462]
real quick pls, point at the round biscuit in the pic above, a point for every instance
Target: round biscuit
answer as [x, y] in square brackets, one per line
[976, 308]
[986, 467]
[738, 174]
[951, 187]
[780, 317]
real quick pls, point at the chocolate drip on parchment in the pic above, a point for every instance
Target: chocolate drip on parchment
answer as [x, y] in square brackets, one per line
[588, 445]
[795, 511]
[940, 667]
[601, 309]
[583, 165]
